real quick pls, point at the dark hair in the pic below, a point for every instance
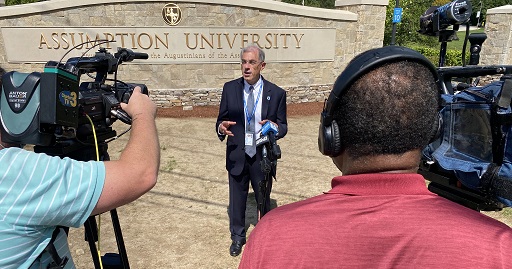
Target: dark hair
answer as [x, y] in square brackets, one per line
[390, 110]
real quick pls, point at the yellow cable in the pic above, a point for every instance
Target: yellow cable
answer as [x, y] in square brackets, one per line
[97, 159]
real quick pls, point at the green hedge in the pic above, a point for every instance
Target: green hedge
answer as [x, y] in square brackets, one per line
[453, 57]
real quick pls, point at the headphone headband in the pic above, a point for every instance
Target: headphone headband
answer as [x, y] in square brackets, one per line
[329, 141]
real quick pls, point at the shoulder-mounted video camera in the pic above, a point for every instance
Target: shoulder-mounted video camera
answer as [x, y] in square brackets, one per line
[470, 161]
[54, 111]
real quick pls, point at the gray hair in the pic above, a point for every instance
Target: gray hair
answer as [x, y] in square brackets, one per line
[254, 47]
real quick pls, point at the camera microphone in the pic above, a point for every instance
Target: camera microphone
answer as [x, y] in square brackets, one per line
[262, 140]
[268, 136]
[436, 19]
[456, 12]
[267, 133]
[269, 127]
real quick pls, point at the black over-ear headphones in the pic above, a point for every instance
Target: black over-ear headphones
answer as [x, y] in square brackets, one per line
[329, 142]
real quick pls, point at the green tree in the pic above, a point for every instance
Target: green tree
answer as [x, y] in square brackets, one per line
[483, 6]
[313, 3]
[407, 29]
[19, 2]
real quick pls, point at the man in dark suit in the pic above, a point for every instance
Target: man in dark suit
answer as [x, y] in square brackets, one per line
[240, 118]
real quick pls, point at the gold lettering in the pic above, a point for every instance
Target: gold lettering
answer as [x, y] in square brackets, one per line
[298, 39]
[209, 42]
[122, 35]
[232, 42]
[256, 39]
[203, 40]
[133, 40]
[284, 40]
[55, 37]
[140, 42]
[42, 41]
[110, 38]
[66, 42]
[73, 41]
[219, 44]
[268, 37]
[244, 39]
[93, 42]
[82, 40]
[166, 43]
[187, 41]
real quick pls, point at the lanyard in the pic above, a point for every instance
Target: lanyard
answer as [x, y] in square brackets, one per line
[249, 117]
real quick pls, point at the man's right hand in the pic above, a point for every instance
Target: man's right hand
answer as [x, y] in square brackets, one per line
[224, 128]
[140, 105]
[128, 178]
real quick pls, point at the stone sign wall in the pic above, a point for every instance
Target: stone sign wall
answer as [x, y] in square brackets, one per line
[497, 48]
[194, 46]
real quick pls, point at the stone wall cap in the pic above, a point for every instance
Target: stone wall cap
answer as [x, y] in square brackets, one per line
[320, 13]
[341, 3]
[502, 9]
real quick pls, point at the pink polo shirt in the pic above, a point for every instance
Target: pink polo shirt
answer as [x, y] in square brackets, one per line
[378, 221]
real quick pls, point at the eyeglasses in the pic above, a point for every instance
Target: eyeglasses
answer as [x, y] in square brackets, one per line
[251, 62]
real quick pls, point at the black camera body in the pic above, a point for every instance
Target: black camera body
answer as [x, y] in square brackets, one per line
[470, 162]
[54, 111]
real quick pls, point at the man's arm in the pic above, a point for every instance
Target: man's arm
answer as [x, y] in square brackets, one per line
[136, 171]
[222, 125]
[282, 122]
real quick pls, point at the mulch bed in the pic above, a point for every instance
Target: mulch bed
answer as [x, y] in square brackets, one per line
[301, 109]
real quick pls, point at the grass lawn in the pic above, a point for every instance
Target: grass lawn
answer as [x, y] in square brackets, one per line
[458, 44]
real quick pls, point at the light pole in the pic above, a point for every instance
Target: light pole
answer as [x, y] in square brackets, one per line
[478, 15]
[393, 31]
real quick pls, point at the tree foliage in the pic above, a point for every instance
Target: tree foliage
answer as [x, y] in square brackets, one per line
[19, 2]
[406, 30]
[313, 3]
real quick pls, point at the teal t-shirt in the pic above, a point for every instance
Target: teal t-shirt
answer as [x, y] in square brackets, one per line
[37, 193]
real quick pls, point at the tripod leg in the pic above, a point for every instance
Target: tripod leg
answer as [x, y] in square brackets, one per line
[91, 236]
[262, 201]
[261, 205]
[119, 238]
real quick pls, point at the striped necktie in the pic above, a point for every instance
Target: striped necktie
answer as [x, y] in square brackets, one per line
[251, 150]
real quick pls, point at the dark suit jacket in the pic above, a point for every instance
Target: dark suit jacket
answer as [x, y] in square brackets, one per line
[273, 101]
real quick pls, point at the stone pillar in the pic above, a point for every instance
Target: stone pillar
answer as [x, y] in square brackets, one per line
[371, 20]
[497, 48]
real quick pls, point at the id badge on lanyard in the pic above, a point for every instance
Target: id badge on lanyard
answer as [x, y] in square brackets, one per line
[249, 138]
[250, 135]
